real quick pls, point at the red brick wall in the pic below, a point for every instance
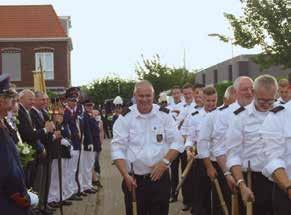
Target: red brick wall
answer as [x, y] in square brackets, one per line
[61, 63]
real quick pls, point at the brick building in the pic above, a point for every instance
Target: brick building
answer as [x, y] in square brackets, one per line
[230, 69]
[30, 33]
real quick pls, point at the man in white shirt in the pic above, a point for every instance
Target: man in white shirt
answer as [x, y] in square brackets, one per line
[214, 156]
[175, 109]
[145, 141]
[283, 92]
[276, 134]
[244, 144]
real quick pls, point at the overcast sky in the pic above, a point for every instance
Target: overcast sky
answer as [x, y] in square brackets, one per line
[109, 36]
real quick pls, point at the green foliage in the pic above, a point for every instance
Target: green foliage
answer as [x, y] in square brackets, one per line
[220, 88]
[266, 24]
[109, 88]
[161, 76]
[26, 153]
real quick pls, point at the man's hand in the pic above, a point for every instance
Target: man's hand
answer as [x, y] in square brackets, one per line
[130, 182]
[231, 183]
[190, 154]
[49, 126]
[158, 170]
[43, 154]
[57, 135]
[247, 194]
[211, 172]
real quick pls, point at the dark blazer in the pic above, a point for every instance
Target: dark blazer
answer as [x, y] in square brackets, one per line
[12, 131]
[94, 126]
[71, 129]
[13, 195]
[28, 131]
[88, 136]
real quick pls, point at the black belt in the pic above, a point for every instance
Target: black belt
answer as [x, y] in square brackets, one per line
[143, 177]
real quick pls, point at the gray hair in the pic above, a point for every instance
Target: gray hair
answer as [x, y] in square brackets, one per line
[266, 81]
[229, 91]
[38, 94]
[141, 83]
[238, 81]
[25, 92]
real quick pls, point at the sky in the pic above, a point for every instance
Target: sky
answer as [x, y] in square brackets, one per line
[110, 36]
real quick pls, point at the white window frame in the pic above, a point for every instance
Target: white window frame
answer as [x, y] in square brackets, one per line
[12, 51]
[46, 58]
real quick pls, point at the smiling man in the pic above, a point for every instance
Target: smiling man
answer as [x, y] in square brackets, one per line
[244, 144]
[145, 143]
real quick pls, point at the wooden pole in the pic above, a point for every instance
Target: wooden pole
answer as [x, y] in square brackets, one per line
[234, 204]
[220, 196]
[133, 194]
[249, 178]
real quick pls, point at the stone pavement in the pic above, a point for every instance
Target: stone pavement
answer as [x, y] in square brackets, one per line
[109, 200]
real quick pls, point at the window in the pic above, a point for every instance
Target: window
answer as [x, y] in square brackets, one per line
[11, 63]
[230, 72]
[47, 61]
[215, 78]
[204, 79]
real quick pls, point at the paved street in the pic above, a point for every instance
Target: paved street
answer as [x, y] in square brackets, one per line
[109, 200]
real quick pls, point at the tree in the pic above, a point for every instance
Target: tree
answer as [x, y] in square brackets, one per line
[266, 24]
[109, 88]
[161, 76]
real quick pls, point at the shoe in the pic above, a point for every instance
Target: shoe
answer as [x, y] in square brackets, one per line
[82, 194]
[173, 199]
[50, 208]
[98, 184]
[186, 207]
[45, 211]
[66, 203]
[95, 189]
[54, 205]
[75, 197]
[90, 191]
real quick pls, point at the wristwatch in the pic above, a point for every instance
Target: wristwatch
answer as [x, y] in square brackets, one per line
[166, 161]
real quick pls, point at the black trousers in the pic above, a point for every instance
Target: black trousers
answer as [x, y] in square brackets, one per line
[188, 186]
[42, 181]
[206, 200]
[263, 191]
[152, 197]
[281, 202]
[175, 176]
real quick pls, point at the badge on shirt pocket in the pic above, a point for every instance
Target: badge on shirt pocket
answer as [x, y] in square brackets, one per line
[159, 138]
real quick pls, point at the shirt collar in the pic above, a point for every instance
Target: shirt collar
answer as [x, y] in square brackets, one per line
[153, 112]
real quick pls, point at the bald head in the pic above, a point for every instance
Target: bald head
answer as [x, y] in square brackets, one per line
[26, 98]
[142, 84]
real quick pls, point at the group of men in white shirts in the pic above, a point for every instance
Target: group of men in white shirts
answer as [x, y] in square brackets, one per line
[250, 131]
[251, 127]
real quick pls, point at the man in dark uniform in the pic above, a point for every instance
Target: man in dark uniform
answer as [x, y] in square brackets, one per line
[72, 122]
[14, 198]
[44, 164]
[29, 133]
[89, 146]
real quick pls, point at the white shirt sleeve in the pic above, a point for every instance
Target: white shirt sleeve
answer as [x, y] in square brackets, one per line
[120, 139]
[234, 142]
[204, 137]
[274, 142]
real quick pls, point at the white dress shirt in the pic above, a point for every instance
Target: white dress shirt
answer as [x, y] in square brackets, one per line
[144, 139]
[221, 124]
[184, 116]
[193, 124]
[205, 144]
[243, 139]
[173, 107]
[276, 133]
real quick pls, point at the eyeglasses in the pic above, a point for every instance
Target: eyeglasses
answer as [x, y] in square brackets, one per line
[265, 101]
